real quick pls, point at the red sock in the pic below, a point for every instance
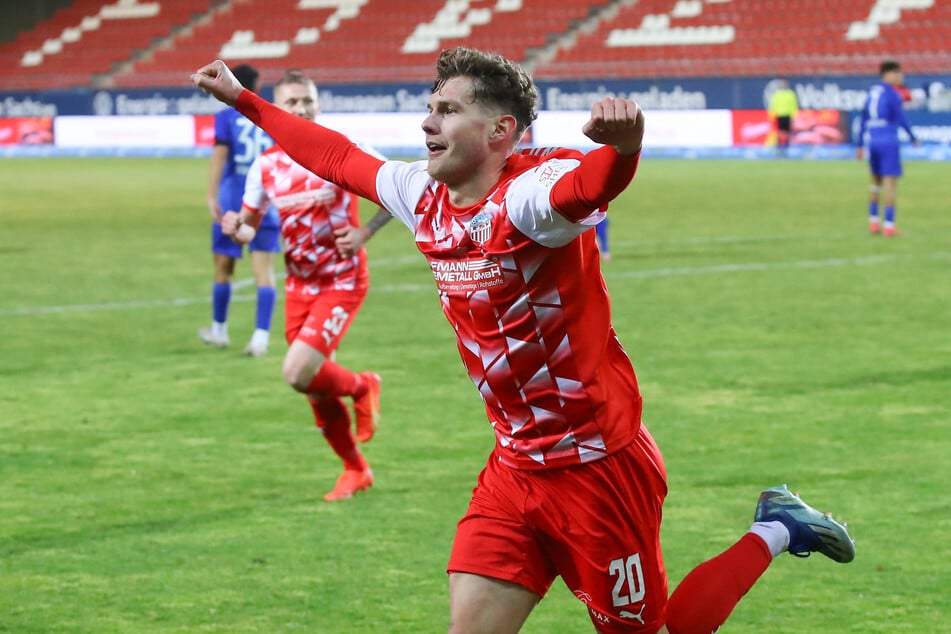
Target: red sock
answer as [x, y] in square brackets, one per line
[333, 419]
[336, 380]
[707, 595]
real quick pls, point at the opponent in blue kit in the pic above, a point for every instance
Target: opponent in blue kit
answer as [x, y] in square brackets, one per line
[237, 143]
[881, 118]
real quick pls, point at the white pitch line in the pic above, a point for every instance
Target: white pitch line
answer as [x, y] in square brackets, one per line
[418, 288]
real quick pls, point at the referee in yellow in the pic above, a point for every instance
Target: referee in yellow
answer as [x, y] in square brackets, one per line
[783, 106]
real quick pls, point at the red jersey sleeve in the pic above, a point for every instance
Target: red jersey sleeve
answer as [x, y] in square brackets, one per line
[323, 151]
[601, 176]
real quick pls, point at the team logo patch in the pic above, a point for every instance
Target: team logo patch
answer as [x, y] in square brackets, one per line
[550, 171]
[480, 228]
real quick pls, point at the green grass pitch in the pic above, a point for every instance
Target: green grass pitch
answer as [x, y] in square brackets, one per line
[151, 485]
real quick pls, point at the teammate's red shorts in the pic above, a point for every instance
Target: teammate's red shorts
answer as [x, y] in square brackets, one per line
[323, 319]
[596, 525]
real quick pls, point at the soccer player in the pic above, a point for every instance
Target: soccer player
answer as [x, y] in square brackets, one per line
[882, 116]
[324, 290]
[575, 484]
[237, 143]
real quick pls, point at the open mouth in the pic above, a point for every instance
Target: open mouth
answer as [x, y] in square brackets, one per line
[435, 148]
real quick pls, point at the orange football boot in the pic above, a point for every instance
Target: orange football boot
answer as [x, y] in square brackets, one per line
[350, 482]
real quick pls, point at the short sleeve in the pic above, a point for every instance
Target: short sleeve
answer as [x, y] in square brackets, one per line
[254, 195]
[400, 186]
[528, 205]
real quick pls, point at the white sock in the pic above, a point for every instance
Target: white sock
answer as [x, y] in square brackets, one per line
[219, 329]
[775, 534]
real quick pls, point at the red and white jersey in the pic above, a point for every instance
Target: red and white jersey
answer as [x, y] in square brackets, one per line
[521, 286]
[311, 209]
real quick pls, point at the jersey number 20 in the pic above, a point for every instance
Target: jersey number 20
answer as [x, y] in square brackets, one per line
[629, 587]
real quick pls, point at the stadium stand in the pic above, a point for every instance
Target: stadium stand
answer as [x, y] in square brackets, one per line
[20, 17]
[699, 38]
[139, 43]
[86, 42]
[361, 40]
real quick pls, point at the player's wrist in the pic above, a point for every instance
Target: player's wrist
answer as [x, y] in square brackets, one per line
[627, 151]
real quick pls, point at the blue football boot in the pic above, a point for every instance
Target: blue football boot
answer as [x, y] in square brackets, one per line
[809, 530]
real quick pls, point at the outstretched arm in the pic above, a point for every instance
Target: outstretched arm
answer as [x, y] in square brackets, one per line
[604, 173]
[324, 152]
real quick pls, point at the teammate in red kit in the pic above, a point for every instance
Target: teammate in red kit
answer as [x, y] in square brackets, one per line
[575, 484]
[324, 288]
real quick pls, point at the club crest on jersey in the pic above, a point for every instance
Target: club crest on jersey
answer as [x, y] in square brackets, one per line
[480, 228]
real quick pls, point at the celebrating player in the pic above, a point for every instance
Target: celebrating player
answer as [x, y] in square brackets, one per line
[575, 484]
[324, 288]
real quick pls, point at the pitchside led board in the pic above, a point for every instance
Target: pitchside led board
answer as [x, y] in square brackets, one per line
[391, 130]
[683, 114]
[26, 131]
[668, 133]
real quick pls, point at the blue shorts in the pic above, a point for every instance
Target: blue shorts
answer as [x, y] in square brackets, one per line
[884, 159]
[267, 238]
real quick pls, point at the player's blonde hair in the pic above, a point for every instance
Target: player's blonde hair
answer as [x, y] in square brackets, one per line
[294, 76]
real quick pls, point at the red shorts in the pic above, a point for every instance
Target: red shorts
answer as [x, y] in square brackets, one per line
[596, 525]
[321, 320]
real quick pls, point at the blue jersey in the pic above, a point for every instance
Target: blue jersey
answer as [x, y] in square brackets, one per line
[882, 116]
[245, 143]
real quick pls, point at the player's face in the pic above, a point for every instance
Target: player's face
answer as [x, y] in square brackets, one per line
[299, 99]
[457, 132]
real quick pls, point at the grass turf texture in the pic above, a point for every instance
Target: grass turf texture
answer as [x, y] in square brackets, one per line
[150, 484]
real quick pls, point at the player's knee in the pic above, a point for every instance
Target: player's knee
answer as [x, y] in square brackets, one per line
[297, 376]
